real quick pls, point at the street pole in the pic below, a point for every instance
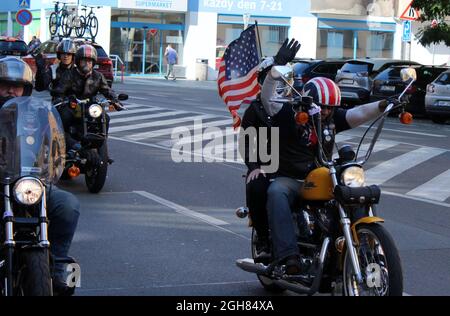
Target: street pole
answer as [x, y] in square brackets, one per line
[246, 18]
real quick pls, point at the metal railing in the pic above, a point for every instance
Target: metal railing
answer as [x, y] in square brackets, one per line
[116, 60]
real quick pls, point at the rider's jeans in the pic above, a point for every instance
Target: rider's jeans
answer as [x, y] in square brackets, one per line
[281, 195]
[63, 210]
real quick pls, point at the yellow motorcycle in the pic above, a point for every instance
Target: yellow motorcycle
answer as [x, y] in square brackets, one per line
[345, 248]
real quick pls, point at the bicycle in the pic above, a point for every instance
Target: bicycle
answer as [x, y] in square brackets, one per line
[58, 19]
[87, 21]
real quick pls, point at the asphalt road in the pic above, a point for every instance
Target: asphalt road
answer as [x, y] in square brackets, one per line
[165, 228]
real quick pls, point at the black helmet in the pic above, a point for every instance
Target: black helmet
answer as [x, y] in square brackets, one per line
[86, 51]
[66, 46]
[16, 71]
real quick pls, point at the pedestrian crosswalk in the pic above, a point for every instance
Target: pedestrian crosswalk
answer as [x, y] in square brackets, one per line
[156, 125]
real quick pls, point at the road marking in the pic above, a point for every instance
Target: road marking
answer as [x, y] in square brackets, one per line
[447, 205]
[168, 131]
[182, 210]
[408, 132]
[159, 123]
[139, 98]
[393, 167]
[125, 112]
[200, 137]
[437, 188]
[145, 117]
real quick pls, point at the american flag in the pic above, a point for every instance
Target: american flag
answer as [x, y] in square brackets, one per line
[238, 80]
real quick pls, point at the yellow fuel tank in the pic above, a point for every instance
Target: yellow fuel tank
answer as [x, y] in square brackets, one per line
[318, 186]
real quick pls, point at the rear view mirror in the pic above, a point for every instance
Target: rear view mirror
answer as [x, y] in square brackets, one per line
[282, 73]
[123, 97]
[408, 73]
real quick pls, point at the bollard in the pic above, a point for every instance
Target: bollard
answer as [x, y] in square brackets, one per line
[122, 68]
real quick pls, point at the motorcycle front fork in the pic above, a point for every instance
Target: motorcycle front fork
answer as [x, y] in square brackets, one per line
[346, 228]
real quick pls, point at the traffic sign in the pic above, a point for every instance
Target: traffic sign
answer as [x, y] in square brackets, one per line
[410, 13]
[406, 31]
[153, 32]
[24, 4]
[24, 17]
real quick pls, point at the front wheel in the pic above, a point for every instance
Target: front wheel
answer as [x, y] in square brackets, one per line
[36, 279]
[95, 178]
[93, 26]
[379, 262]
[53, 23]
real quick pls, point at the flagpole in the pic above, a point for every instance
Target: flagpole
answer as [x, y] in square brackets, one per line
[259, 39]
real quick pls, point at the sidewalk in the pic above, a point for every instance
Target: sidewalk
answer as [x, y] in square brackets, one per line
[161, 81]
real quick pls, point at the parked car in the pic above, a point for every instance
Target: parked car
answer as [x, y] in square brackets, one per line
[220, 50]
[356, 76]
[306, 69]
[48, 50]
[437, 98]
[389, 84]
[11, 46]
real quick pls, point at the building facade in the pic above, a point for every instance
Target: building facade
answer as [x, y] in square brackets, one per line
[138, 31]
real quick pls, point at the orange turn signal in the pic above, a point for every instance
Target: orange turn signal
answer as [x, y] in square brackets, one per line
[301, 118]
[73, 105]
[73, 172]
[406, 118]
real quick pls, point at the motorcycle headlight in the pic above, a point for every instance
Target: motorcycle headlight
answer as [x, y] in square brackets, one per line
[95, 110]
[353, 177]
[28, 191]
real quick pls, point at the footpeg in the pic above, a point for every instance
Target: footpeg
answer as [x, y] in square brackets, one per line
[110, 161]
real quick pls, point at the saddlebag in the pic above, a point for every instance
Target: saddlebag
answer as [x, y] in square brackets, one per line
[362, 196]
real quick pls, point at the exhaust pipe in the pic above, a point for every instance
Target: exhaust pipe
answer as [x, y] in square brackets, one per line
[249, 265]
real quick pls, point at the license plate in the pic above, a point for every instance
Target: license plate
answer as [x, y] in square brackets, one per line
[345, 81]
[387, 88]
[443, 103]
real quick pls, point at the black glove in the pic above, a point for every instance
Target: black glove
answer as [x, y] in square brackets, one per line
[287, 52]
[40, 61]
[118, 106]
[382, 105]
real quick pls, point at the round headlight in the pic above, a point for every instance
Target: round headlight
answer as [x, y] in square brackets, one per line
[95, 110]
[28, 191]
[353, 177]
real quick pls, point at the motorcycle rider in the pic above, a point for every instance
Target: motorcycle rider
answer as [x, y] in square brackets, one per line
[47, 78]
[297, 147]
[83, 82]
[63, 207]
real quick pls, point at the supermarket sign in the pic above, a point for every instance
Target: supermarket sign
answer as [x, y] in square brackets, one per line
[160, 5]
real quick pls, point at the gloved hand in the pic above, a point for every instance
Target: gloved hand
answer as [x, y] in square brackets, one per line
[40, 61]
[383, 104]
[287, 52]
[118, 106]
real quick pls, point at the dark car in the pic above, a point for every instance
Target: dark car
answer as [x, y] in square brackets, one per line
[10, 46]
[355, 78]
[389, 84]
[48, 49]
[306, 69]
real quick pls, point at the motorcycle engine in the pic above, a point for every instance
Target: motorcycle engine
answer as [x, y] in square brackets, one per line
[305, 223]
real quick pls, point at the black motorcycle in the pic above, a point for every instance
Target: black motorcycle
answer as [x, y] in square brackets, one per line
[90, 131]
[32, 150]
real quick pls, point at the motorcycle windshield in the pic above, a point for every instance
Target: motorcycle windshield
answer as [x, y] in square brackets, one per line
[31, 140]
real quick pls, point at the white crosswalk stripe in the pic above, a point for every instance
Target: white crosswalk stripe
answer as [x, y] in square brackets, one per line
[396, 166]
[146, 117]
[437, 188]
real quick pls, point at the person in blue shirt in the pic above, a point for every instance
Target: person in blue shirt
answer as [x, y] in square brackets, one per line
[172, 59]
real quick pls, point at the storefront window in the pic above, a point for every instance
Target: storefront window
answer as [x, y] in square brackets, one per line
[375, 44]
[334, 44]
[271, 37]
[354, 44]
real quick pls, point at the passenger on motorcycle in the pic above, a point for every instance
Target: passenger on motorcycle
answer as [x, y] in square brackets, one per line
[83, 82]
[48, 78]
[63, 207]
[297, 144]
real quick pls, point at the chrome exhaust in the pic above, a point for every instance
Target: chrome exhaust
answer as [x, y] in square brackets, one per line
[249, 265]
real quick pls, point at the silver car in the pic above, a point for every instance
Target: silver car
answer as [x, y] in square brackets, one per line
[437, 99]
[355, 78]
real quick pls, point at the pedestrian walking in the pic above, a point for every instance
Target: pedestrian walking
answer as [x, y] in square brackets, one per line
[172, 59]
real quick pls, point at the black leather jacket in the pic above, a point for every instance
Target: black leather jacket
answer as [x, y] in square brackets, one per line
[83, 87]
[48, 78]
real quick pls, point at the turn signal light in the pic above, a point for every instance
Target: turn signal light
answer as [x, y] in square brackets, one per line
[301, 118]
[73, 172]
[73, 105]
[406, 118]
